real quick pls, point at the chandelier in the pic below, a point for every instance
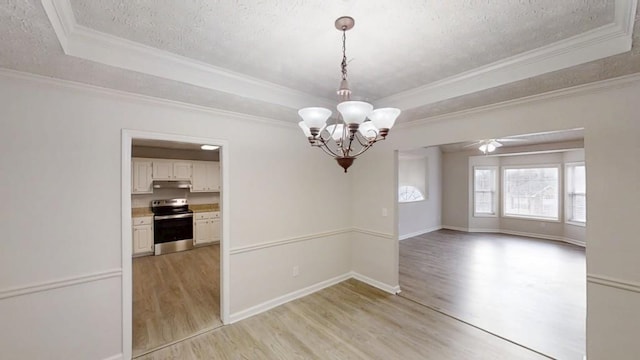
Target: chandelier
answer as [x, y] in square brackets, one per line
[360, 125]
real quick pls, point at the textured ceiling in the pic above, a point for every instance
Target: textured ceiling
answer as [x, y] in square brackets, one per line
[293, 43]
[392, 47]
[520, 140]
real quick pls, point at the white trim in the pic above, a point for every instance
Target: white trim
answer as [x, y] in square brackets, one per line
[455, 228]
[375, 283]
[59, 283]
[93, 45]
[270, 304]
[268, 244]
[373, 233]
[583, 89]
[127, 297]
[141, 99]
[77, 40]
[608, 40]
[518, 233]
[418, 233]
[115, 357]
[281, 300]
[614, 282]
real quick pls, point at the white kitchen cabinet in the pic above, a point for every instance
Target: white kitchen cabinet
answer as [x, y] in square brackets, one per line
[205, 176]
[206, 228]
[171, 170]
[142, 235]
[182, 170]
[141, 176]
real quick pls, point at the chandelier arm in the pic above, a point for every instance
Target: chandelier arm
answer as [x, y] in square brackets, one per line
[365, 148]
[325, 147]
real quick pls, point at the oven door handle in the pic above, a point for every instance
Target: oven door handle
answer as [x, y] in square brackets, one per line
[177, 216]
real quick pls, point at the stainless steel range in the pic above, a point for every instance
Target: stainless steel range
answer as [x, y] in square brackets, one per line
[172, 226]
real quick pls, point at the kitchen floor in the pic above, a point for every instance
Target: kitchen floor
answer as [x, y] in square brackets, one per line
[530, 291]
[175, 296]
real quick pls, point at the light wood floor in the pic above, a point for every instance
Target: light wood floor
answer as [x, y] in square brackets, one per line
[530, 291]
[174, 296]
[350, 320]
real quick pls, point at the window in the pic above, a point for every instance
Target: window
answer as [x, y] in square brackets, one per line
[485, 194]
[412, 177]
[531, 192]
[576, 197]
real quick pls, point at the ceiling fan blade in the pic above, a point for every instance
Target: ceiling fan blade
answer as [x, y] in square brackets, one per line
[511, 140]
[473, 144]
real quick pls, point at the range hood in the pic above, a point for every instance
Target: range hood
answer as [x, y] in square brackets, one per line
[172, 184]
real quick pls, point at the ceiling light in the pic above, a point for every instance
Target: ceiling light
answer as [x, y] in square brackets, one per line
[209, 147]
[360, 125]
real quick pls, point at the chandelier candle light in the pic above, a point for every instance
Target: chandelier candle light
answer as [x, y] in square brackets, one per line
[360, 127]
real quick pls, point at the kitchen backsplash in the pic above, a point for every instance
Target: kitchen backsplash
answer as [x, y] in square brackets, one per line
[144, 200]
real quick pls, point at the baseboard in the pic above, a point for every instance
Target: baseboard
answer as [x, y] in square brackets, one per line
[281, 300]
[544, 236]
[517, 233]
[455, 228]
[418, 233]
[115, 357]
[375, 283]
[270, 304]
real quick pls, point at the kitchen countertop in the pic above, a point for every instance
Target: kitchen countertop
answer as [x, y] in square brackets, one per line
[145, 211]
[141, 212]
[204, 208]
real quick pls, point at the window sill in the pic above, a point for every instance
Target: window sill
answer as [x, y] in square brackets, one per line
[485, 215]
[576, 223]
[533, 218]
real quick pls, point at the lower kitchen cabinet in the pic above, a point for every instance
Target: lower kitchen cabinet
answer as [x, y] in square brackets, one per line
[206, 228]
[142, 235]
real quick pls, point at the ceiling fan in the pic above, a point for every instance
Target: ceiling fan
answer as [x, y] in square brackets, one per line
[490, 145]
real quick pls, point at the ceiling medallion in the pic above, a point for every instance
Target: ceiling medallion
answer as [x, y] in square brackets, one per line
[360, 125]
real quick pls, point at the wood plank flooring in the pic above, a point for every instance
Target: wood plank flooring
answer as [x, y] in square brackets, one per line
[350, 320]
[530, 291]
[174, 296]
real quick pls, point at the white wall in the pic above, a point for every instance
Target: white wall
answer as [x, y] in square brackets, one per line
[455, 190]
[415, 218]
[612, 147]
[60, 254]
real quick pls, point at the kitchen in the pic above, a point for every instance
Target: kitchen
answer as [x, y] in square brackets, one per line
[176, 234]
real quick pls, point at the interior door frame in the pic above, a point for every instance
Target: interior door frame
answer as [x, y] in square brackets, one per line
[127, 272]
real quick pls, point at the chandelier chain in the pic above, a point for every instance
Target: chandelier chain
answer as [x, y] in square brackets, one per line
[344, 54]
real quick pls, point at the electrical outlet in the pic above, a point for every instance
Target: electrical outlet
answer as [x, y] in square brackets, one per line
[296, 271]
[385, 212]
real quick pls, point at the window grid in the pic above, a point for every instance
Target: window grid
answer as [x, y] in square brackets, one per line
[485, 191]
[531, 192]
[576, 208]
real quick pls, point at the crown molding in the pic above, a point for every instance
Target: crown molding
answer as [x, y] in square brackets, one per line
[554, 94]
[605, 41]
[82, 42]
[140, 98]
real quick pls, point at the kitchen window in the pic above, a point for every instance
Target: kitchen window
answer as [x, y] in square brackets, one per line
[485, 192]
[576, 194]
[531, 192]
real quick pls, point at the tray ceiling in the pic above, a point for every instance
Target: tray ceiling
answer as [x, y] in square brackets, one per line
[268, 59]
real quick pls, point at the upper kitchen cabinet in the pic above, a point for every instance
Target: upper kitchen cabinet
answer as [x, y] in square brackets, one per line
[141, 176]
[206, 176]
[171, 170]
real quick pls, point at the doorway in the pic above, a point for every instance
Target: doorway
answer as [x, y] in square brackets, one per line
[493, 241]
[170, 297]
